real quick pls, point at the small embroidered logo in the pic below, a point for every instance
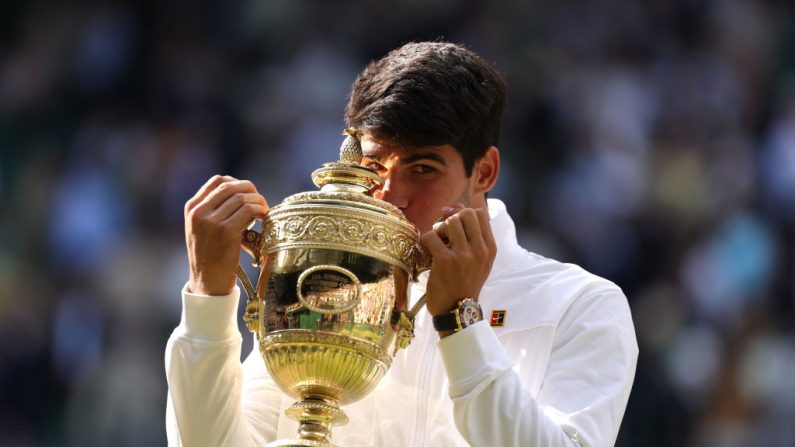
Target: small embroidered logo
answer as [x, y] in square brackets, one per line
[497, 318]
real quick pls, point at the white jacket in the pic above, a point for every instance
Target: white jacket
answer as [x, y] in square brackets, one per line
[558, 373]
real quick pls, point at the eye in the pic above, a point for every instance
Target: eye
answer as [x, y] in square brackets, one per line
[374, 165]
[423, 169]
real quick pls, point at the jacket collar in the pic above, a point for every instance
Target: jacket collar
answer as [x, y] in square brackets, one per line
[504, 231]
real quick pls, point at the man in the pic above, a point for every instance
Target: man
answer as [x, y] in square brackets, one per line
[552, 363]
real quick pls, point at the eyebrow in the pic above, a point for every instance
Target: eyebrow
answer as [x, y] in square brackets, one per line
[414, 157]
[417, 156]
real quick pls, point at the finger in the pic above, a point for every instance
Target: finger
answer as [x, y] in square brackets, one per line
[224, 191]
[440, 228]
[209, 186]
[233, 203]
[485, 228]
[455, 232]
[472, 228]
[243, 215]
[433, 244]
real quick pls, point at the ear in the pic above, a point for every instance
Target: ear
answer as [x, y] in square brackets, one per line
[485, 171]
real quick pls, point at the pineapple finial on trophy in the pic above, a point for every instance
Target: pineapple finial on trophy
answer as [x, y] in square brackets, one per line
[351, 149]
[346, 174]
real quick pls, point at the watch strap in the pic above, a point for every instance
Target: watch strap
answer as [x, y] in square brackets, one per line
[446, 322]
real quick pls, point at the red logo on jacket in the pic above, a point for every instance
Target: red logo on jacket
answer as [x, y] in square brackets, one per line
[497, 318]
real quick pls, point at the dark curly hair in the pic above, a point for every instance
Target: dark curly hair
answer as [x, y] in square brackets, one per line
[428, 94]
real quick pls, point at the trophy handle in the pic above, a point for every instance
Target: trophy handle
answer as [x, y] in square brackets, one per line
[422, 262]
[251, 243]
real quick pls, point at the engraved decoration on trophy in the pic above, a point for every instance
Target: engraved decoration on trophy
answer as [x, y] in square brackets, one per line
[329, 306]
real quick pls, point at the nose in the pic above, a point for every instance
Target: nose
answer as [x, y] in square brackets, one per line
[392, 191]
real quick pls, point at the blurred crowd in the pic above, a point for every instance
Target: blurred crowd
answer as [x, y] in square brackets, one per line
[651, 142]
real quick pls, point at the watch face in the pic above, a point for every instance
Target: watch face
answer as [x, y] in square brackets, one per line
[470, 313]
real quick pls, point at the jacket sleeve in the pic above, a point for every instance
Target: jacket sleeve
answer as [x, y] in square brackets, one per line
[212, 399]
[584, 390]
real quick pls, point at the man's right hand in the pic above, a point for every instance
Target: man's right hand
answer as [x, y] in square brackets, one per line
[214, 222]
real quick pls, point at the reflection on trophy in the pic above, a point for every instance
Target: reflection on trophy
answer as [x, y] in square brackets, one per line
[330, 304]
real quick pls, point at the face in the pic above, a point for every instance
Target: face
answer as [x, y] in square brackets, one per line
[420, 180]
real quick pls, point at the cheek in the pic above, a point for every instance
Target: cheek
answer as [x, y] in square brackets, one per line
[425, 207]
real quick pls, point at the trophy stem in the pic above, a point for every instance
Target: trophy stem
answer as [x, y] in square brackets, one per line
[315, 417]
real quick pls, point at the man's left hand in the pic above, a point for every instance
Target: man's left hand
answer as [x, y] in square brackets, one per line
[463, 249]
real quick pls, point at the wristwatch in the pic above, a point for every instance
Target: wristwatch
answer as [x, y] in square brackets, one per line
[466, 314]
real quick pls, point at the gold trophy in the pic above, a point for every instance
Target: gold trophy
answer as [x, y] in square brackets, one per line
[330, 303]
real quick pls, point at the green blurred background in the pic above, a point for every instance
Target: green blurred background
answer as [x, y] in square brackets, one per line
[651, 142]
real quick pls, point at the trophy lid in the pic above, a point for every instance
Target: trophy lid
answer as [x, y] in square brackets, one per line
[344, 216]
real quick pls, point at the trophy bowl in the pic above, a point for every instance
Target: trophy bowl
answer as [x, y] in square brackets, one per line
[330, 302]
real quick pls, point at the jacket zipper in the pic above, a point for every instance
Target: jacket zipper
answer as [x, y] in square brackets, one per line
[425, 371]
